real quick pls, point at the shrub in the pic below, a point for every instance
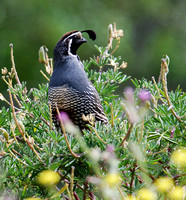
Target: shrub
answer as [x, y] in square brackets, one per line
[126, 159]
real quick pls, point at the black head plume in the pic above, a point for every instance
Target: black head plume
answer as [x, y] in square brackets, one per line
[91, 33]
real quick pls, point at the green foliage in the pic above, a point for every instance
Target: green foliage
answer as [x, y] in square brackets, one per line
[109, 161]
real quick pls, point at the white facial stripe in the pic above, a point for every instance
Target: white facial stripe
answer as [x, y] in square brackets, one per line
[69, 46]
[76, 33]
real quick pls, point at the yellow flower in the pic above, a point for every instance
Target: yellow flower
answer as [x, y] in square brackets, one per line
[178, 157]
[163, 184]
[177, 193]
[130, 197]
[113, 179]
[146, 194]
[48, 178]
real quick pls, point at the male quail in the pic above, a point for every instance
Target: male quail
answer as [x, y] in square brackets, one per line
[69, 88]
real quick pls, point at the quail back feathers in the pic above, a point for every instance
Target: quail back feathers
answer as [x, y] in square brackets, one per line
[69, 88]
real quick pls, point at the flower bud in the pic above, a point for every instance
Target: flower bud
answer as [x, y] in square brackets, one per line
[48, 178]
[146, 194]
[113, 179]
[177, 193]
[178, 157]
[110, 30]
[144, 95]
[2, 97]
[21, 125]
[123, 65]
[5, 133]
[42, 57]
[163, 184]
[4, 71]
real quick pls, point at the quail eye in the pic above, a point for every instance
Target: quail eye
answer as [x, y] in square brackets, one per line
[76, 37]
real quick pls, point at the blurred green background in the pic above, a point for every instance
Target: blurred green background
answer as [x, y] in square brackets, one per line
[151, 28]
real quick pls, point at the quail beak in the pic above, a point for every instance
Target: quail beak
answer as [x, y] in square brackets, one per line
[82, 40]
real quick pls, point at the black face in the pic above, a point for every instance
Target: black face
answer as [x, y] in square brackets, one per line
[75, 42]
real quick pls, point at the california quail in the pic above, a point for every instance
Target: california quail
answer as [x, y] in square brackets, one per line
[69, 88]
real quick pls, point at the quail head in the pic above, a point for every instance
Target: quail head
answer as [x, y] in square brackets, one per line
[70, 89]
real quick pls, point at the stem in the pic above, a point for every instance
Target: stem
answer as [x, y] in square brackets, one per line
[65, 136]
[164, 66]
[128, 133]
[72, 182]
[145, 172]
[50, 108]
[69, 194]
[132, 178]
[112, 116]
[12, 130]
[85, 191]
[154, 81]
[19, 128]
[117, 46]
[178, 176]
[98, 135]
[121, 193]
[13, 64]
[17, 157]
[10, 85]
[44, 75]
[13, 111]
[142, 127]
[18, 102]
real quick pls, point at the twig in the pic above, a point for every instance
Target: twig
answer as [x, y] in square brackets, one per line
[178, 176]
[85, 190]
[98, 136]
[117, 46]
[17, 152]
[13, 111]
[128, 133]
[144, 171]
[65, 136]
[76, 196]
[154, 81]
[69, 194]
[121, 193]
[60, 191]
[17, 158]
[50, 109]
[112, 116]
[72, 182]
[13, 64]
[13, 134]
[132, 178]
[141, 133]
[164, 67]
[18, 102]
[8, 84]
[44, 75]
[51, 65]
[165, 149]
[19, 128]
[44, 120]
[38, 147]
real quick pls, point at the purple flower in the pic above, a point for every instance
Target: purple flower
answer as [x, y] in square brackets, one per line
[63, 116]
[110, 148]
[144, 95]
[129, 92]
